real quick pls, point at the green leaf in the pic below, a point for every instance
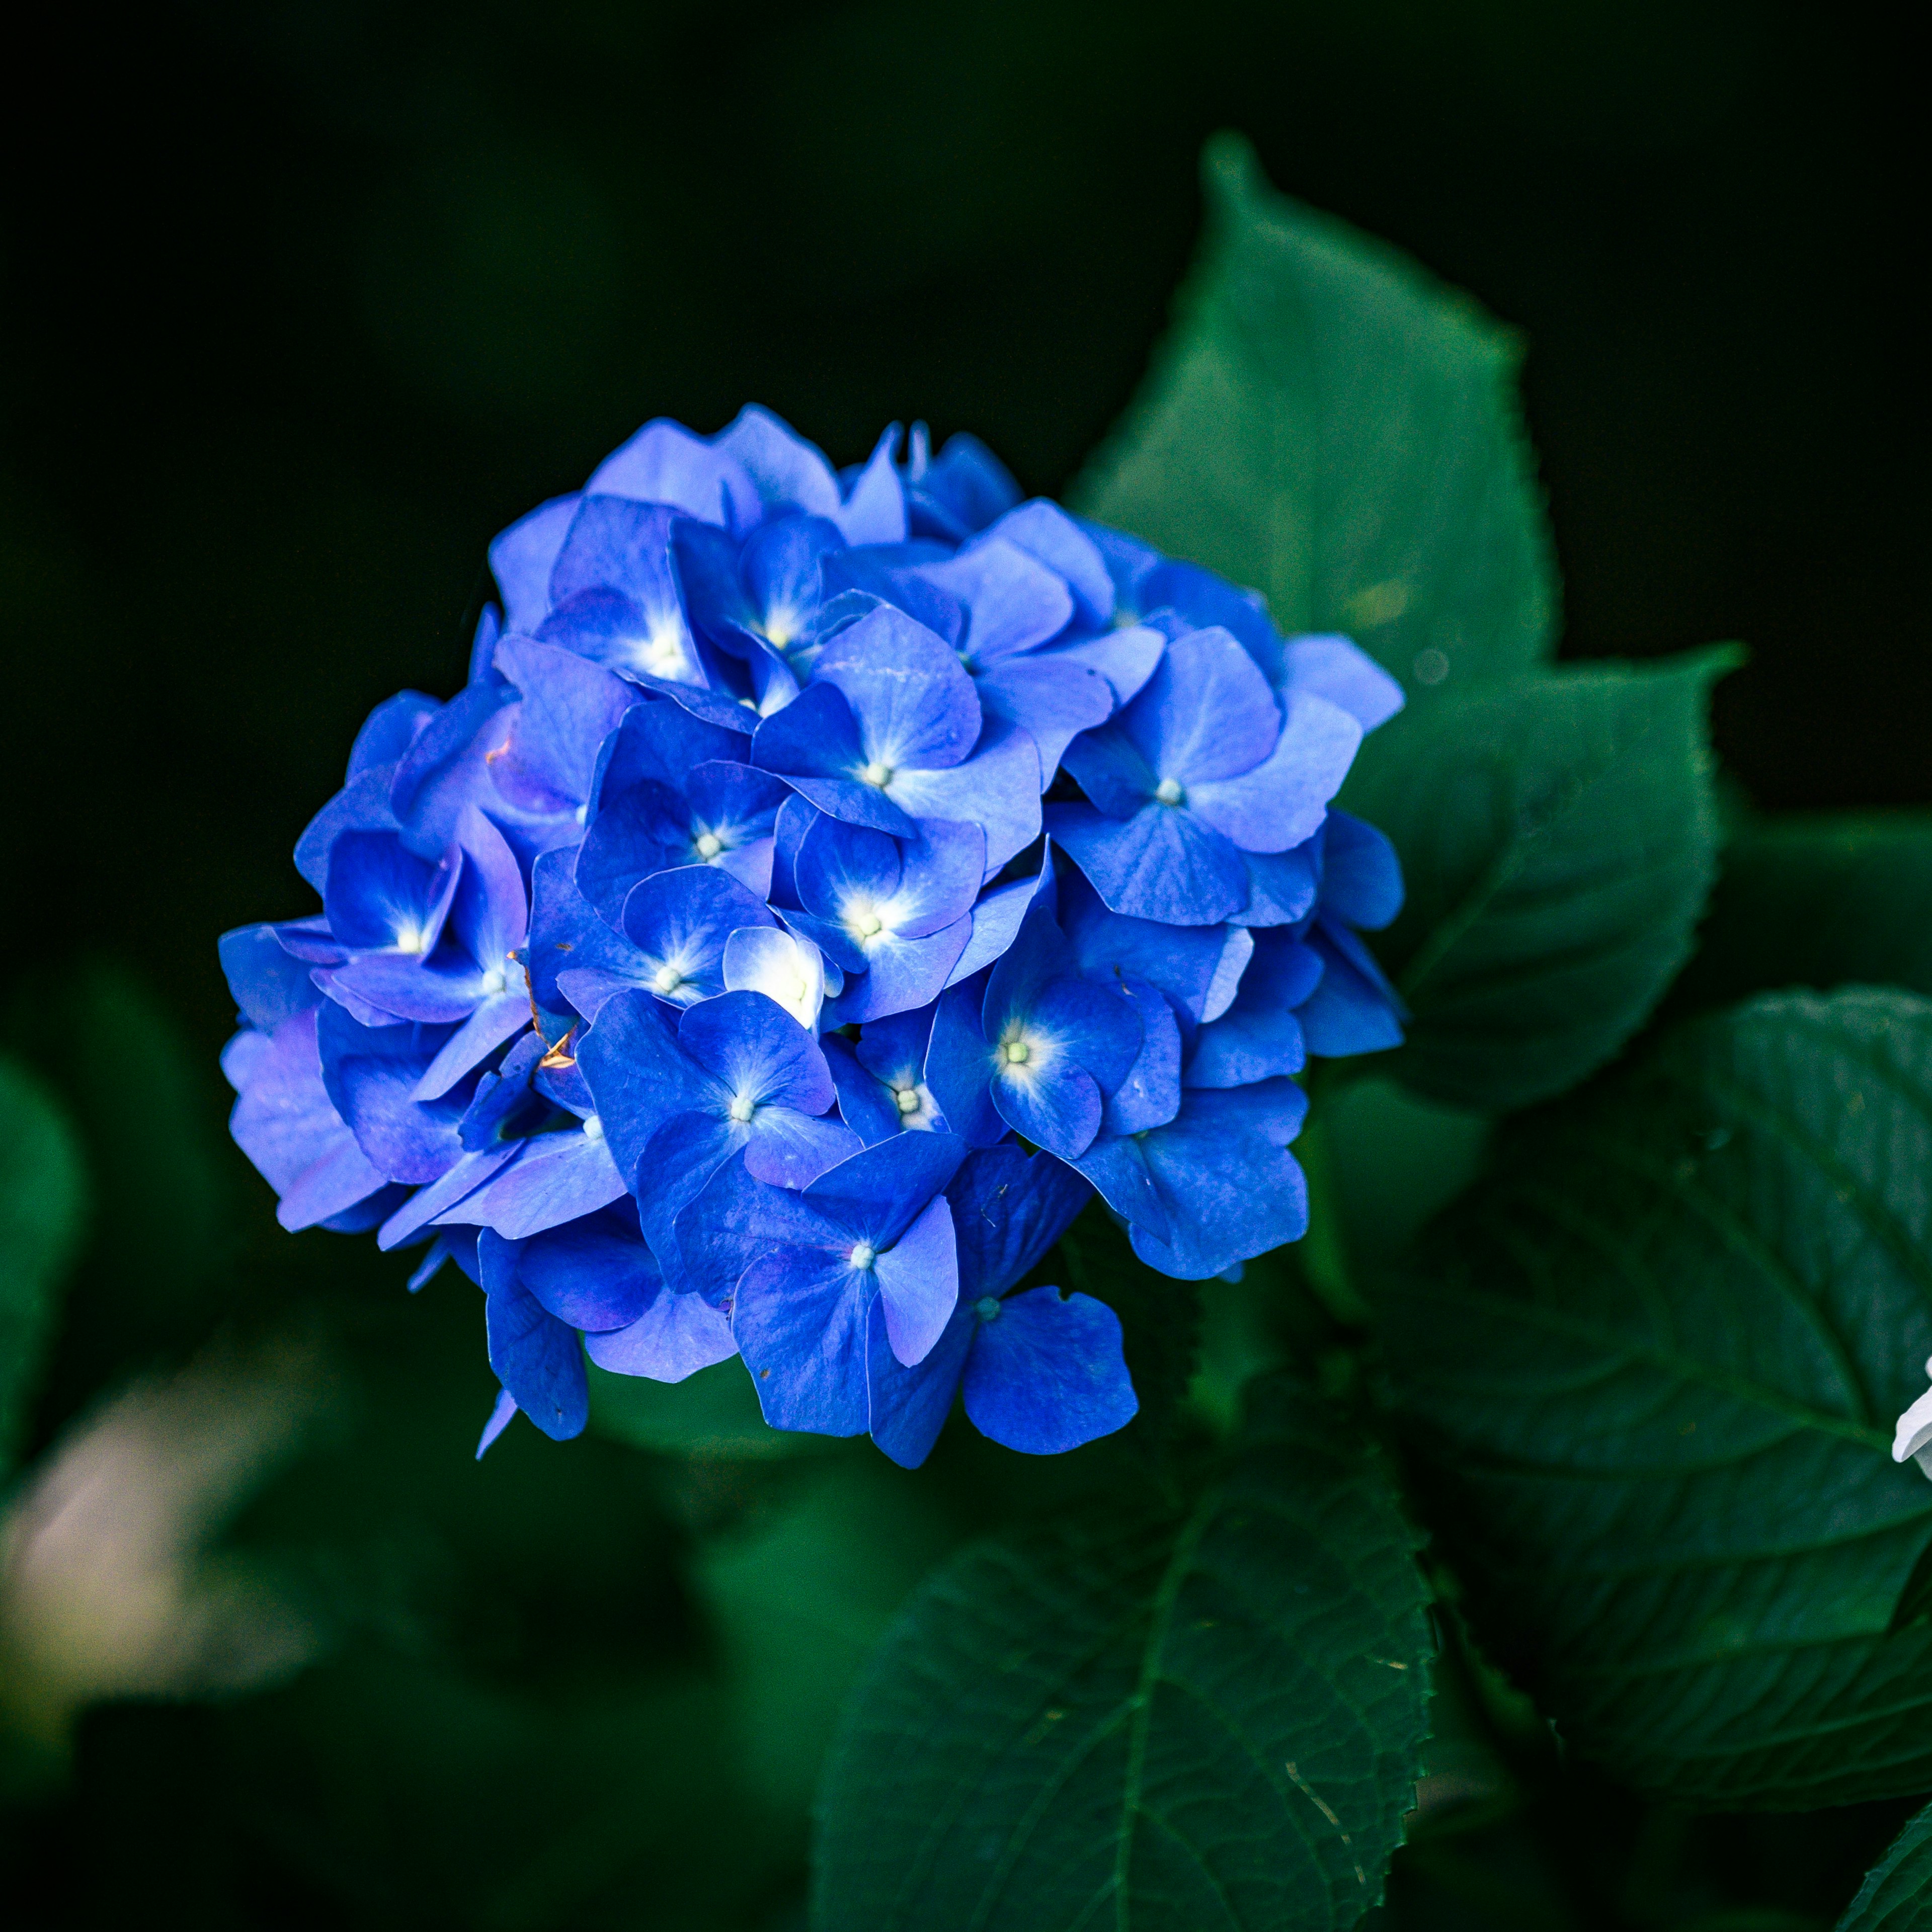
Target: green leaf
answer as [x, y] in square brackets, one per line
[1328, 424]
[798, 1598]
[1897, 1894]
[1651, 1366]
[1817, 899]
[1211, 1718]
[1557, 837]
[43, 1201]
[713, 1414]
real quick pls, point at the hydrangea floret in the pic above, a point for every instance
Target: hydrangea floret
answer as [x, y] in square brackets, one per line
[825, 884]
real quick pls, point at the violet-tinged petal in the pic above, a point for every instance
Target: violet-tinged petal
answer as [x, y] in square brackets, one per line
[1014, 603]
[569, 706]
[638, 1074]
[499, 1018]
[663, 463]
[557, 1177]
[918, 1283]
[361, 805]
[1054, 697]
[875, 511]
[389, 731]
[425, 1205]
[1282, 886]
[266, 981]
[1206, 714]
[520, 558]
[1336, 669]
[676, 1336]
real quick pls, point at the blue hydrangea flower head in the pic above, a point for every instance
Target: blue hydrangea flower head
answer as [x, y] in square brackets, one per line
[824, 886]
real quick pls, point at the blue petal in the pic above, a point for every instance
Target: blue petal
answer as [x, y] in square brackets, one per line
[907, 1408]
[1355, 1009]
[370, 1076]
[663, 463]
[790, 1149]
[1046, 1374]
[569, 706]
[567, 933]
[966, 485]
[755, 1050]
[1149, 1095]
[381, 895]
[1162, 864]
[676, 1336]
[638, 1073]
[918, 1283]
[267, 981]
[361, 805]
[679, 921]
[866, 1103]
[998, 789]
[875, 511]
[1008, 1209]
[1282, 886]
[501, 1414]
[913, 702]
[799, 1319]
[1259, 1036]
[520, 558]
[1055, 698]
[284, 1123]
[901, 975]
[733, 1220]
[787, 471]
[1220, 1173]
[538, 1359]
[1206, 714]
[422, 1208]
[1013, 602]
[1361, 876]
[1282, 801]
[595, 1274]
[1336, 669]
[1044, 530]
[389, 731]
[1126, 659]
[876, 1195]
[557, 1177]
[959, 1066]
[1186, 963]
[814, 745]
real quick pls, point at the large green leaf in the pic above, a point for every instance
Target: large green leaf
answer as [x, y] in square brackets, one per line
[1558, 836]
[1897, 1894]
[1330, 426]
[1208, 1718]
[1817, 899]
[1652, 1366]
[43, 1191]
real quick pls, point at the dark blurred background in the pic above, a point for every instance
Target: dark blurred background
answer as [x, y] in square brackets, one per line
[303, 301]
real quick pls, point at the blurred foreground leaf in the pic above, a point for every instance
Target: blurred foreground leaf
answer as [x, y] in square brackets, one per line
[42, 1198]
[1557, 837]
[1330, 425]
[1897, 1896]
[1209, 1717]
[1819, 899]
[1652, 1366]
